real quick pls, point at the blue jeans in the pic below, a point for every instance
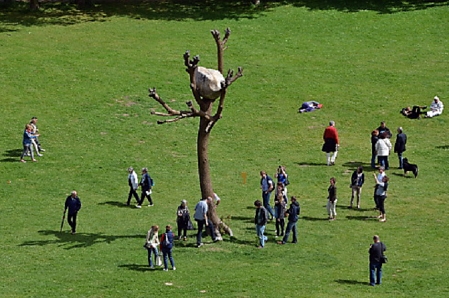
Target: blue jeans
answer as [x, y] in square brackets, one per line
[151, 251]
[291, 226]
[373, 267]
[168, 255]
[262, 238]
[383, 160]
[266, 202]
[373, 160]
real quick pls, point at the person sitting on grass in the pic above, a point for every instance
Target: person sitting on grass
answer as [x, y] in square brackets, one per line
[436, 108]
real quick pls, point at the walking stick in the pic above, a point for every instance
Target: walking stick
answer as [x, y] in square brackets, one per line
[62, 222]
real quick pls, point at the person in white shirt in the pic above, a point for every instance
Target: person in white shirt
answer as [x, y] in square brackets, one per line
[436, 108]
[133, 185]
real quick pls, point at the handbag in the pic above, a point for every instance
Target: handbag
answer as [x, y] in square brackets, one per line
[383, 259]
[158, 260]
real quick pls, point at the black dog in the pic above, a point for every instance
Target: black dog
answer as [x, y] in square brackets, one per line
[409, 167]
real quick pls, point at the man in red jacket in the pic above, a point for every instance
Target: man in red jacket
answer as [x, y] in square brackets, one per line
[331, 143]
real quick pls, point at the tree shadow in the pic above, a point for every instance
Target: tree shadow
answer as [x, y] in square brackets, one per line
[116, 204]
[138, 267]
[75, 241]
[64, 12]
[351, 282]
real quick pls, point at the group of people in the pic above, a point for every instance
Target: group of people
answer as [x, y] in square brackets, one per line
[436, 108]
[146, 184]
[30, 141]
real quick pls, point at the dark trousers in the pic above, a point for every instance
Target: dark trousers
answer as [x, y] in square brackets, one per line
[291, 226]
[383, 161]
[182, 228]
[201, 225]
[132, 192]
[167, 255]
[280, 223]
[71, 219]
[381, 203]
[144, 195]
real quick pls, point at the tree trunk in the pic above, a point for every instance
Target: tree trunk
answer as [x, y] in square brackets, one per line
[34, 5]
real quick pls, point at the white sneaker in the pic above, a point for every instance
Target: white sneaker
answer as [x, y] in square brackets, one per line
[174, 268]
[138, 206]
[40, 154]
[151, 267]
[165, 269]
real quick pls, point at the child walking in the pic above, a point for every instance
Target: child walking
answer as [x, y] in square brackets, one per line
[332, 200]
[167, 247]
[151, 244]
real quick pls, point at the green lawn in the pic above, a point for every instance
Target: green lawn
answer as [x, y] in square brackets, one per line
[85, 75]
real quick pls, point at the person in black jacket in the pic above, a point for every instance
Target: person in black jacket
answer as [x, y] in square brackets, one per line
[399, 146]
[357, 180]
[374, 139]
[293, 216]
[73, 203]
[167, 247]
[376, 253]
[145, 184]
[260, 220]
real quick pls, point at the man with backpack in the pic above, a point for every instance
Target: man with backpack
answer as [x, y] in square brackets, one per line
[267, 186]
[146, 183]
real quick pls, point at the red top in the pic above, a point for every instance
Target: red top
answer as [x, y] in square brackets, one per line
[331, 133]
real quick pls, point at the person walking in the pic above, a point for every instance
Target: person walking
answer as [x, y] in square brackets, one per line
[332, 200]
[376, 254]
[357, 180]
[202, 220]
[381, 195]
[182, 219]
[27, 143]
[35, 131]
[399, 146]
[133, 185]
[73, 203]
[267, 186]
[293, 216]
[167, 244]
[152, 242]
[383, 148]
[260, 220]
[145, 185]
[331, 143]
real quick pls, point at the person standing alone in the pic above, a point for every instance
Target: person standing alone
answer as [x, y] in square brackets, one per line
[331, 143]
[73, 203]
[399, 146]
[376, 254]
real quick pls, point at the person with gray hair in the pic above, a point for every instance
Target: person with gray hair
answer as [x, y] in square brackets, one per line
[399, 145]
[133, 185]
[73, 203]
[331, 143]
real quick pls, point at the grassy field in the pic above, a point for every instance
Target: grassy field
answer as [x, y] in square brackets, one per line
[85, 75]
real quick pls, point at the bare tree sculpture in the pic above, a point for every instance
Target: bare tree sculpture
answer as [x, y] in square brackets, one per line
[207, 85]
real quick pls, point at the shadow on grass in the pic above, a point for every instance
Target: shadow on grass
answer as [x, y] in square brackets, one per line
[402, 175]
[244, 218]
[314, 218]
[138, 267]
[355, 164]
[351, 282]
[12, 155]
[117, 204]
[444, 147]
[76, 241]
[310, 164]
[360, 217]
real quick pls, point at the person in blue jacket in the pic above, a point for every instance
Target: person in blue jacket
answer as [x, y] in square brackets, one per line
[293, 216]
[167, 247]
[357, 180]
[28, 136]
[73, 203]
[146, 185]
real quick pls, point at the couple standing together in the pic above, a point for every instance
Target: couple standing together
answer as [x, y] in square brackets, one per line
[146, 183]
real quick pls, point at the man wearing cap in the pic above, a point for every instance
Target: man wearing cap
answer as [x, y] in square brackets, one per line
[436, 108]
[331, 143]
[399, 145]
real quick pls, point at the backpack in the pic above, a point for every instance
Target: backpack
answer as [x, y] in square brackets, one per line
[151, 182]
